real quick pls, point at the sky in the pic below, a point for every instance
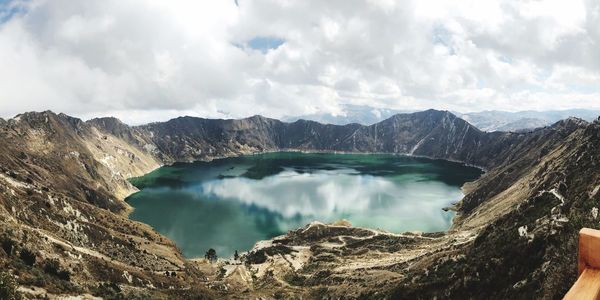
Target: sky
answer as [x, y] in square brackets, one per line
[153, 60]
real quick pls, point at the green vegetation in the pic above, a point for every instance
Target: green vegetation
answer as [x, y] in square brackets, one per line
[8, 287]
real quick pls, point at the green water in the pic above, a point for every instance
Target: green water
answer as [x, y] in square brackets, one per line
[230, 204]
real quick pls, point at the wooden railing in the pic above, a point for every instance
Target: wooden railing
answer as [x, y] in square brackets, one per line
[587, 285]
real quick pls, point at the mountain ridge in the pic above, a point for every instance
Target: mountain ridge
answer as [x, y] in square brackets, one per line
[53, 161]
[490, 121]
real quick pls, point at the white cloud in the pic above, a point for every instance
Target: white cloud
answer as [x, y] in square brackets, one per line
[144, 59]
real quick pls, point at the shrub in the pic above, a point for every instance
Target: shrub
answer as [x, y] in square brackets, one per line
[109, 291]
[8, 245]
[112, 291]
[28, 257]
[8, 287]
[211, 255]
[52, 267]
[221, 273]
[294, 279]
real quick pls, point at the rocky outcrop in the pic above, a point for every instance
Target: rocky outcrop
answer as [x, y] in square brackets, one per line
[63, 223]
[62, 183]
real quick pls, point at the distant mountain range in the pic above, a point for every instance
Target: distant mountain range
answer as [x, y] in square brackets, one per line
[486, 120]
[524, 120]
[364, 115]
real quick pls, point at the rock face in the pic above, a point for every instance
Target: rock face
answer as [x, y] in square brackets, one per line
[431, 133]
[62, 183]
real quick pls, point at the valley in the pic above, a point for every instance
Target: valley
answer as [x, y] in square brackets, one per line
[64, 182]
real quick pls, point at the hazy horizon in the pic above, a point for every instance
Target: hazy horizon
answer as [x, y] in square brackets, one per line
[315, 117]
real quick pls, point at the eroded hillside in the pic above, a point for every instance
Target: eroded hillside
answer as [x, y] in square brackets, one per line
[63, 181]
[64, 225]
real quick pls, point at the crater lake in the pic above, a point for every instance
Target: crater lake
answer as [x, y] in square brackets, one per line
[229, 204]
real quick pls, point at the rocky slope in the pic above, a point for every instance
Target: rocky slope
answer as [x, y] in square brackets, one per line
[527, 213]
[62, 183]
[63, 224]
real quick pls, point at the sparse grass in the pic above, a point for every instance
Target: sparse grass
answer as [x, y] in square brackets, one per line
[109, 291]
[112, 291]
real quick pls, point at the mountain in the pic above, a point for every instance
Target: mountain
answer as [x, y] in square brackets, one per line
[522, 125]
[486, 120]
[63, 221]
[524, 120]
[360, 114]
[422, 133]
[530, 209]
[64, 226]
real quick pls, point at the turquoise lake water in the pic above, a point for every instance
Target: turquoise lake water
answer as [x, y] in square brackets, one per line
[230, 204]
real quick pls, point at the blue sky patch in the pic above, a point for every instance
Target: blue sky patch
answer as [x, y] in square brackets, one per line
[8, 9]
[442, 36]
[264, 44]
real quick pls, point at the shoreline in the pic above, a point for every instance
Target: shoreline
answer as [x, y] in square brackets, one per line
[451, 208]
[292, 150]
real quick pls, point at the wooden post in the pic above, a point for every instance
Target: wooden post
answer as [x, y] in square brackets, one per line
[587, 285]
[589, 249]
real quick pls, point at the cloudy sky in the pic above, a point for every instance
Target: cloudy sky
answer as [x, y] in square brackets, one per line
[152, 60]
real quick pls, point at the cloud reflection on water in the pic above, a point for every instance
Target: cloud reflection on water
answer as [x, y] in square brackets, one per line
[393, 204]
[230, 204]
